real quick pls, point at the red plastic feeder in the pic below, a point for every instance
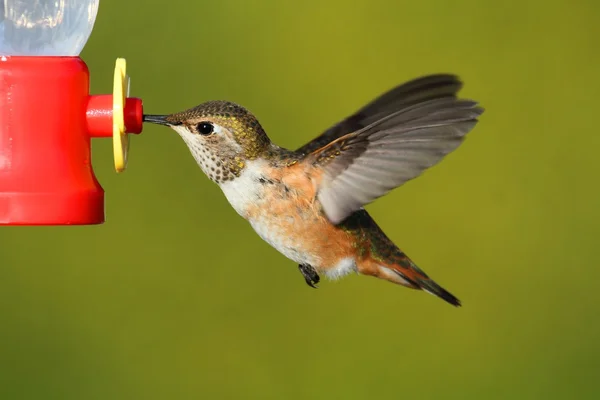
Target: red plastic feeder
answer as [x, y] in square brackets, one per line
[47, 119]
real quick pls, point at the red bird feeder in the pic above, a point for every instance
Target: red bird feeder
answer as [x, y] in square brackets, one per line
[48, 117]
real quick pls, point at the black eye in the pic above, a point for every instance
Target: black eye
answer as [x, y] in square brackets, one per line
[205, 128]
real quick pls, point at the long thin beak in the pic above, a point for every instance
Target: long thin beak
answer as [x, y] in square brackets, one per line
[156, 119]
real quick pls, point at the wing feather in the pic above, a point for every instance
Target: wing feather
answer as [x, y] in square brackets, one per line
[413, 92]
[364, 165]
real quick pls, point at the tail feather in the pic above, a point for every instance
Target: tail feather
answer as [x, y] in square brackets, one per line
[383, 259]
[408, 274]
[431, 287]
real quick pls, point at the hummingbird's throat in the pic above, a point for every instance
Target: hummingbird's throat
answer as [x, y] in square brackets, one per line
[218, 167]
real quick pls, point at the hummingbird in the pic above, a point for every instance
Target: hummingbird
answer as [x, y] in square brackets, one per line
[309, 203]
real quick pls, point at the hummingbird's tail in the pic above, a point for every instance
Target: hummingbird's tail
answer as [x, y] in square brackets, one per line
[430, 286]
[401, 270]
[380, 257]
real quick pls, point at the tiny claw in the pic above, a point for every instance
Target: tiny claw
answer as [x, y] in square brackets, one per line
[310, 275]
[311, 284]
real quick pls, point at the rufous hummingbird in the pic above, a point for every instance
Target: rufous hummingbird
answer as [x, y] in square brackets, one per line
[308, 203]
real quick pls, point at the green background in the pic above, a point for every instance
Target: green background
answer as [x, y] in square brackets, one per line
[175, 297]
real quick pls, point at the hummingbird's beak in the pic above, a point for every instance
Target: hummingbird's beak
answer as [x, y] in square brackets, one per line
[156, 119]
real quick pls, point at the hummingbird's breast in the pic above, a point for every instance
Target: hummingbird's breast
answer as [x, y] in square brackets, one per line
[280, 204]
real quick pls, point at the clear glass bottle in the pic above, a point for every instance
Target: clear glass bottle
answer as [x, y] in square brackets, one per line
[45, 27]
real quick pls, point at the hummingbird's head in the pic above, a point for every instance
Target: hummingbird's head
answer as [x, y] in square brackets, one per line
[222, 137]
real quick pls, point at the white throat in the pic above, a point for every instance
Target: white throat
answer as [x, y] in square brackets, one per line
[246, 189]
[210, 163]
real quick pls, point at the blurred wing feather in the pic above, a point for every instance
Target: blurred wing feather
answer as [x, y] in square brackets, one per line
[402, 96]
[364, 165]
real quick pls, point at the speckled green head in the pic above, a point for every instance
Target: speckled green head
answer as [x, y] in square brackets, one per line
[221, 135]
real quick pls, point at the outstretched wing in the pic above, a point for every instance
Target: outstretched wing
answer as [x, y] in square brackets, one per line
[361, 166]
[412, 92]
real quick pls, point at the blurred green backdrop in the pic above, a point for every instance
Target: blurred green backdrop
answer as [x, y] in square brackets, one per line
[176, 297]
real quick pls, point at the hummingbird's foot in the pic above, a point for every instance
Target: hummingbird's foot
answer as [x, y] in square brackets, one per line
[310, 275]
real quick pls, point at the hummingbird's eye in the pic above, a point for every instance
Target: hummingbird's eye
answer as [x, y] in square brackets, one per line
[205, 128]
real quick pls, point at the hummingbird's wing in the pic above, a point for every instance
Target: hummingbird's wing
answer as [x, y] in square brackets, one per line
[412, 92]
[361, 166]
